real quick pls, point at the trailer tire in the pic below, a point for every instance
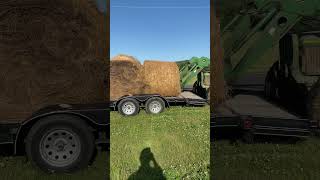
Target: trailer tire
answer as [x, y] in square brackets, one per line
[60, 143]
[155, 105]
[128, 107]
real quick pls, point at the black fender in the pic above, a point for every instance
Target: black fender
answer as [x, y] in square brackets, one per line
[27, 125]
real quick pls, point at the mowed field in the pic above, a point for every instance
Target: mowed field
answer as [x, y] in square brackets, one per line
[177, 140]
[266, 161]
[19, 168]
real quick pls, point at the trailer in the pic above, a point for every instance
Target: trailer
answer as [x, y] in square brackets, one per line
[131, 105]
[250, 115]
[59, 138]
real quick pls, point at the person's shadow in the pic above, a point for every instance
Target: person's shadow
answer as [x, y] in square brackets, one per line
[149, 168]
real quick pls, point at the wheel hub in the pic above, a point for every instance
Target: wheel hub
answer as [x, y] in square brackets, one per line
[128, 108]
[60, 147]
[155, 107]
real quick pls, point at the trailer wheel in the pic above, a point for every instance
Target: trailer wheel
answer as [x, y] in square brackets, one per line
[60, 143]
[128, 107]
[155, 105]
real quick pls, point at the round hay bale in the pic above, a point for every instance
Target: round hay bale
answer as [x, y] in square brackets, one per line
[126, 78]
[218, 91]
[162, 78]
[123, 57]
[51, 52]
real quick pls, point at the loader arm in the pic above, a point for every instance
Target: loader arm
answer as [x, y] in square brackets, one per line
[258, 29]
[190, 69]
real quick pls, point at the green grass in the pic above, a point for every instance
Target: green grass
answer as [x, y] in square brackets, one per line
[18, 168]
[178, 139]
[266, 161]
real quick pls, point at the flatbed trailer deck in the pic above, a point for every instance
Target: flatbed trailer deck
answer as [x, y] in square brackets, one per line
[186, 98]
[253, 114]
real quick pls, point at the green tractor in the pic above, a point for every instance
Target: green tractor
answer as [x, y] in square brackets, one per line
[195, 76]
[274, 46]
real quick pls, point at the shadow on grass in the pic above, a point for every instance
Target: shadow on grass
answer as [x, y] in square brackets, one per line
[149, 168]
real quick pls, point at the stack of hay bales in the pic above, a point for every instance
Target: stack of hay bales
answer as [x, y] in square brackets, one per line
[129, 77]
[51, 52]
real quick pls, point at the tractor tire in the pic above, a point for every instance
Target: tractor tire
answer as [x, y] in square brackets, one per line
[270, 86]
[313, 105]
[128, 107]
[60, 143]
[155, 105]
[199, 91]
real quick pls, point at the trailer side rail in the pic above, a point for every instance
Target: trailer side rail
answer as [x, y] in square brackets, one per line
[272, 126]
